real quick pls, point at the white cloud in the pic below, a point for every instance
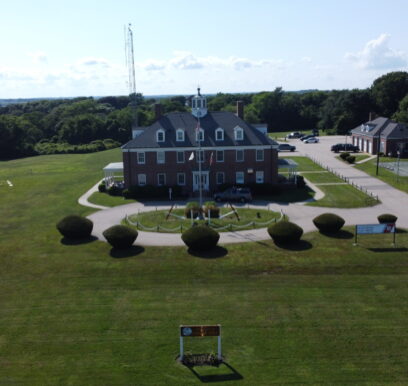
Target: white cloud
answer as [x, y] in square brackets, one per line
[91, 61]
[38, 57]
[377, 55]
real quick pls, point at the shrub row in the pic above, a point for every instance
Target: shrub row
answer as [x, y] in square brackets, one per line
[348, 157]
[45, 147]
[150, 191]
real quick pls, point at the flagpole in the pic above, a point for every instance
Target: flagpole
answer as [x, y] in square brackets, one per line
[200, 160]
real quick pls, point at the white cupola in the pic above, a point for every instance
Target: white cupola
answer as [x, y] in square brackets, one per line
[199, 105]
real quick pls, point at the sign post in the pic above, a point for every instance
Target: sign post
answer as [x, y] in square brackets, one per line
[372, 229]
[200, 331]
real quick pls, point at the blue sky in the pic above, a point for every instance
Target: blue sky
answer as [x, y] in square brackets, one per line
[72, 48]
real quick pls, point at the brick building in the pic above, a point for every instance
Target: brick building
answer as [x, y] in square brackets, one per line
[393, 137]
[168, 151]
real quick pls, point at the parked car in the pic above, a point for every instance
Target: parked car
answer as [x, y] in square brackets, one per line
[295, 134]
[303, 137]
[234, 194]
[311, 140]
[286, 147]
[345, 147]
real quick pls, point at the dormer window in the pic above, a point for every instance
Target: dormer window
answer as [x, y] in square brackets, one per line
[160, 136]
[200, 135]
[239, 134]
[180, 135]
[219, 134]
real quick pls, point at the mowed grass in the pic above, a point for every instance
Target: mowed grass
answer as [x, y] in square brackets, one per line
[322, 178]
[389, 177]
[321, 312]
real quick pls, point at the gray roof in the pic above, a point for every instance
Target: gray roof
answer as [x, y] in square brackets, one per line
[209, 123]
[388, 128]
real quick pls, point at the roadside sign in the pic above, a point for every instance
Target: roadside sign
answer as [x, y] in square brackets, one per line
[373, 229]
[192, 331]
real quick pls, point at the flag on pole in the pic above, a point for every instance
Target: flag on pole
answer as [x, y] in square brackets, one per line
[211, 158]
[191, 156]
[197, 131]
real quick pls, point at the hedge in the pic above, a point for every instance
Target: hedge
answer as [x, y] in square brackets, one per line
[120, 236]
[387, 218]
[200, 238]
[75, 227]
[285, 232]
[328, 222]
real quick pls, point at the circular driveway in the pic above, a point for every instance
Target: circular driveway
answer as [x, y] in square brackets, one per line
[392, 201]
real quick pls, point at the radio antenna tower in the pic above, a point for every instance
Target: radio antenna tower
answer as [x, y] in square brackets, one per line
[130, 64]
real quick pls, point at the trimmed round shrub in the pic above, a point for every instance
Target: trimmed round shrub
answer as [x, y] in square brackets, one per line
[351, 159]
[192, 206]
[285, 232]
[114, 191]
[120, 236]
[387, 218]
[75, 227]
[102, 187]
[344, 155]
[328, 222]
[200, 238]
[211, 209]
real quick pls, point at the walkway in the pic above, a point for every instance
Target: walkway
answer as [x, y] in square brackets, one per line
[392, 201]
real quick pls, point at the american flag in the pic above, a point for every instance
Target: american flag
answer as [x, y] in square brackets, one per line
[211, 158]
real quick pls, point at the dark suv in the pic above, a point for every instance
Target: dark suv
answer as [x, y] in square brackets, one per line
[345, 147]
[234, 194]
[286, 146]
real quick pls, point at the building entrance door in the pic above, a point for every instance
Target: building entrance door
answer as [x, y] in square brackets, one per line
[204, 181]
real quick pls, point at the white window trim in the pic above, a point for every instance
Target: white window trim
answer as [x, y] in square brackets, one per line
[236, 155]
[139, 153]
[216, 155]
[158, 182]
[157, 135]
[256, 155]
[198, 156]
[236, 178]
[184, 177]
[182, 135]
[199, 134]
[256, 176]
[219, 130]
[164, 157]
[238, 130]
[138, 180]
[223, 178]
[177, 159]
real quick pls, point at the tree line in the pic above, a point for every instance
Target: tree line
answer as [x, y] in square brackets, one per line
[89, 124]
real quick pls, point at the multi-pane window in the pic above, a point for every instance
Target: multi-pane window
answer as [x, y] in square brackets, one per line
[160, 136]
[220, 156]
[239, 156]
[259, 177]
[160, 157]
[181, 178]
[141, 157]
[239, 134]
[219, 134]
[239, 178]
[259, 155]
[200, 135]
[180, 157]
[220, 178]
[141, 179]
[180, 135]
[161, 179]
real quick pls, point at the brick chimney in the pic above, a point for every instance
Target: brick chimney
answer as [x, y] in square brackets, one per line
[157, 111]
[240, 109]
[371, 116]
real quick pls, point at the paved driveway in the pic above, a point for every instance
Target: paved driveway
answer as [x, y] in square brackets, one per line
[393, 201]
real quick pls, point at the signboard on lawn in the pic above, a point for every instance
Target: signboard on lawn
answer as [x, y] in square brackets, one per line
[371, 229]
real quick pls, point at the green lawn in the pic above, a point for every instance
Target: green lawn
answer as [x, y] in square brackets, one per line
[248, 219]
[323, 177]
[385, 175]
[106, 200]
[320, 312]
[305, 164]
[343, 196]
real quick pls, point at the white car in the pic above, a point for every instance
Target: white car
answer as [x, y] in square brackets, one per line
[311, 140]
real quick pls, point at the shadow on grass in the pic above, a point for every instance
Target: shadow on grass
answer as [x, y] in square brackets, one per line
[341, 234]
[134, 250]
[301, 245]
[390, 249]
[86, 240]
[401, 230]
[214, 253]
[231, 375]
